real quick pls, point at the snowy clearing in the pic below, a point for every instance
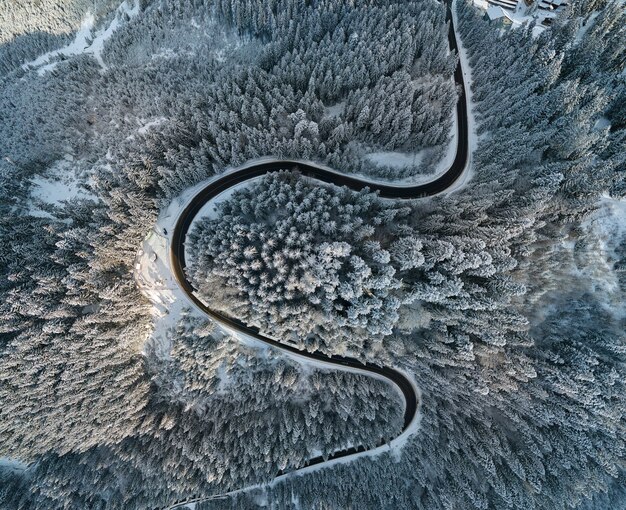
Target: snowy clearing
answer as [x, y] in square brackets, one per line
[54, 192]
[85, 41]
[585, 25]
[11, 464]
[149, 125]
[335, 110]
[395, 159]
[77, 46]
[60, 183]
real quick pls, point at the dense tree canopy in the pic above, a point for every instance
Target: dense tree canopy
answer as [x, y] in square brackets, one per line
[504, 299]
[303, 262]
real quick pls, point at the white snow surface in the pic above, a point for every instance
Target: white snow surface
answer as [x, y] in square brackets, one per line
[85, 41]
[395, 159]
[155, 281]
[602, 123]
[60, 183]
[483, 4]
[149, 125]
[584, 28]
[334, 110]
[77, 46]
[12, 464]
[96, 47]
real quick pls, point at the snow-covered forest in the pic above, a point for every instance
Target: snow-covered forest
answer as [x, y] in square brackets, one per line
[503, 299]
[304, 262]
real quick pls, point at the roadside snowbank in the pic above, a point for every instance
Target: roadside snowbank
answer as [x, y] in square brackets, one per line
[397, 160]
[210, 209]
[149, 125]
[466, 176]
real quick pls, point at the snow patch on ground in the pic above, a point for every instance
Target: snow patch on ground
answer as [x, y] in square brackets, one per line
[395, 159]
[123, 11]
[155, 281]
[230, 44]
[602, 123]
[585, 25]
[54, 192]
[335, 110]
[12, 464]
[153, 123]
[77, 46]
[224, 377]
[85, 41]
[60, 183]
[152, 264]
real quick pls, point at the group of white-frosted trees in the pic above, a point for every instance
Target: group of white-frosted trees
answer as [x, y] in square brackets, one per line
[519, 359]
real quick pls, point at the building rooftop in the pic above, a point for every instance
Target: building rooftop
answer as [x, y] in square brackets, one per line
[495, 12]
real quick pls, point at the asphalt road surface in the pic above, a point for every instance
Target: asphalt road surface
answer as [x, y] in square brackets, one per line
[443, 182]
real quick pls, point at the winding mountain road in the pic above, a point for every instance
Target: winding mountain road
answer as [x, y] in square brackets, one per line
[219, 185]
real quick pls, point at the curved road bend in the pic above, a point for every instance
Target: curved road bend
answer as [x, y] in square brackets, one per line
[443, 182]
